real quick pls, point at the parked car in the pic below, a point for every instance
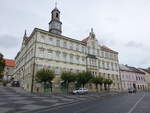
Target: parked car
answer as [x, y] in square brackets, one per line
[80, 91]
[15, 84]
[131, 90]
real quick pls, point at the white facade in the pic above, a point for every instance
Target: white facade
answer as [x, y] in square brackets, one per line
[44, 49]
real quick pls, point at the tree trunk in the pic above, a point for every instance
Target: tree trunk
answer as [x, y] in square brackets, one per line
[105, 87]
[96, 87]
[83, 85]
[101, 87]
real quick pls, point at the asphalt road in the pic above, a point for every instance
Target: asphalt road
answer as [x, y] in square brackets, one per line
[124, 103]
[17, 102]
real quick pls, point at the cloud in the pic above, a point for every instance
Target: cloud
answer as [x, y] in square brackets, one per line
[112, 20]
[134, 44]
[8, 41]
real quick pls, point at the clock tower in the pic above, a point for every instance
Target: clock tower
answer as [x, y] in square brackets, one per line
[55, 23]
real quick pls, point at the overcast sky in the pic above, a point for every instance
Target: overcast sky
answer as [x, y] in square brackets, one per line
[122, 25]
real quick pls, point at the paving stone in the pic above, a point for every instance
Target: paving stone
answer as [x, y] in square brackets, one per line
[24, 102]
[51, 100]
[33, 107]
[4, 110]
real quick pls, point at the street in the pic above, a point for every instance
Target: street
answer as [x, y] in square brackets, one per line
[126, 103]
[12, 101]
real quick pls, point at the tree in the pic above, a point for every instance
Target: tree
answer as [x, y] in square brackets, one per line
[67, 78]
[95, 80]
[101, 81]
[46, 76]
[2, 65]
[105, 83]
[83, 78]
[109, 83]
[98, 81]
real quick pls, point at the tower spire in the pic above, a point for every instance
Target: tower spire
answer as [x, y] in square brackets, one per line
[92, 34]
[25, 33]
[55, 3]
[55, 23]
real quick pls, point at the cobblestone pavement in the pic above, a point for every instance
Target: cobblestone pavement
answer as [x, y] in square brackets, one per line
[15, 100]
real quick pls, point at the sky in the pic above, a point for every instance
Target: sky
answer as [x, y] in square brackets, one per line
[122, 25]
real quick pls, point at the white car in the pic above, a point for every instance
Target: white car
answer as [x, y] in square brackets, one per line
[80, 91]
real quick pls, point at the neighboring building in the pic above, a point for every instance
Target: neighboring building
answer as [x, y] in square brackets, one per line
[128, 78]
[9, 69]
[132, 77]
[50, 49]
[147, 77]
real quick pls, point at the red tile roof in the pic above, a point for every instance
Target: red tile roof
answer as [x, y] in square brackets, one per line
[86, 39]
[105, 47]
[10, 63]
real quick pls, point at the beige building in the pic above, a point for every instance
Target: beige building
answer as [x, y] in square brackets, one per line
[50, 49]
[147, 77]
[9, 69]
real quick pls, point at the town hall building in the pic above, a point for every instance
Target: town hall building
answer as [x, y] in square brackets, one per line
[50, 49]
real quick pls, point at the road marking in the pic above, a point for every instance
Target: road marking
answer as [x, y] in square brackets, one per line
[136, 103]
[59, 107]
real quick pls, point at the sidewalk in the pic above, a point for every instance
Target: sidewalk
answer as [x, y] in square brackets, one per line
[90, 94]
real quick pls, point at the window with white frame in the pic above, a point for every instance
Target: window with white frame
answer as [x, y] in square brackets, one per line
[83, 49]
[106, 54]
[83, 59]
[71, 45]
[65, 56]
[71, 57]
[77, 58]
[103, 64]
[107, 65]
[58, 54]
[65, 44]
[41, 52]
[50, 40]
[58, 43]
[49, 53]
[77, 47]
[42, 38]
[102, 53]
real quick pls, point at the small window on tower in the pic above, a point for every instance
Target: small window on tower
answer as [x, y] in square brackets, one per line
[57, 16]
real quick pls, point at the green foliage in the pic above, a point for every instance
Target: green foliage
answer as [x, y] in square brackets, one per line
[45, 75]
[68, 77]
[97, 81]
[84, 77]
[2, 65]
[107, 82]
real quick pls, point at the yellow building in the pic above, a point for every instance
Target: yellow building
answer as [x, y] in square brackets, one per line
[49, 49]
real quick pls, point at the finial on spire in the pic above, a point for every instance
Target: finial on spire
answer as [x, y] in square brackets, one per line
[92, 34]
[55, 3]
[25, 33]
[91, 30]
